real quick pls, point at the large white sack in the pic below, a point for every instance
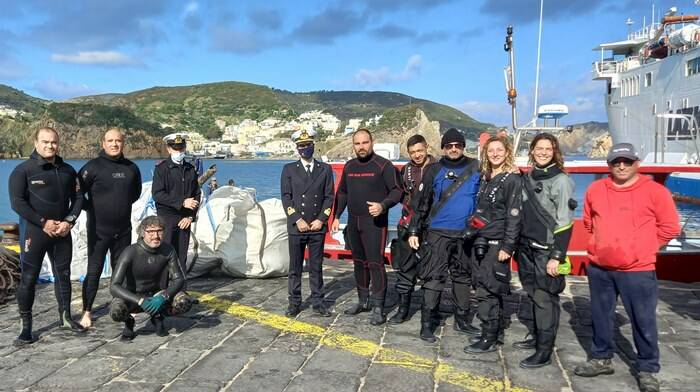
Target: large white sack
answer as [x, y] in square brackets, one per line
[253, 243]
[78, 266]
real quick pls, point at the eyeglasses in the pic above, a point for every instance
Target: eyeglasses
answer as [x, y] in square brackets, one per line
[153, 231]
[618, 162]
[458, 146]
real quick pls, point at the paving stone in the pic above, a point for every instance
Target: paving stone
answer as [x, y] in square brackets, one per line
[323, 380]
[86, 373]
[203, 352]
[385, 378]
[122, 386]
[162, 366]
[225, 361]
[28, 371]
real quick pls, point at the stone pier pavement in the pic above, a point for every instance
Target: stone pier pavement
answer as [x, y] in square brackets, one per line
[237, 339]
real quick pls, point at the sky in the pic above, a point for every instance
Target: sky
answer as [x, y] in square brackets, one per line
[447, 51]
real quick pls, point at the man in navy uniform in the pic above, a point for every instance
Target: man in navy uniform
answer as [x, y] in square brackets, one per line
[176, 192]
[307, 197]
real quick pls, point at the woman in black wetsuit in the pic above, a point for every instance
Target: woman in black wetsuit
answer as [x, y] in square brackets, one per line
[496, 224]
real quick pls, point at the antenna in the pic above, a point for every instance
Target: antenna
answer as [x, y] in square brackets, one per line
[629, 22]
[537, 73]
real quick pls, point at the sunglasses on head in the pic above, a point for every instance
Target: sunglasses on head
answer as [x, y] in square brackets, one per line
[617, 162]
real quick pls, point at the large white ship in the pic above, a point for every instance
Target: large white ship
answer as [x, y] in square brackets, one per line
[653, 93]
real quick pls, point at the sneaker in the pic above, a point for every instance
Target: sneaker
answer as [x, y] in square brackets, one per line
[595, 367]
[647, 382]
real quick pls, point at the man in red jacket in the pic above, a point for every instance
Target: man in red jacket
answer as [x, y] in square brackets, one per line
[630, 217]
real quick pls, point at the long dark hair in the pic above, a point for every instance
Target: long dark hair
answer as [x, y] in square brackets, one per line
[557, 157]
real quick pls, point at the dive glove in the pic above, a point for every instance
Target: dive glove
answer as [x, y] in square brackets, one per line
[153, 304]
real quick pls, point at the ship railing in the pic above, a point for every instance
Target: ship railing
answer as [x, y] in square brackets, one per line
[608, 68]
[647, 32]
[662, 135]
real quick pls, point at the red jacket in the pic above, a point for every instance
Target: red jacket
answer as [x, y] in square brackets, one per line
[629, 224]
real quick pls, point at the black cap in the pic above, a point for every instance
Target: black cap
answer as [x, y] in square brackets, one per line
[452, 136]
[622, 150]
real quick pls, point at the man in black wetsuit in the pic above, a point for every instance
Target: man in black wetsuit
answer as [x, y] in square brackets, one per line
[136, 281]
[45, 193]
[176, 193]
[111, 184]
[369, 187]
[404, 258]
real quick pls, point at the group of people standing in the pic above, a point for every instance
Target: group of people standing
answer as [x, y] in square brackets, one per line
[462, 220]
[466, 219]
[49, 195]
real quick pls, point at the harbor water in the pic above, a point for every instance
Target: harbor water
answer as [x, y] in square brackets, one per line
[264, 176]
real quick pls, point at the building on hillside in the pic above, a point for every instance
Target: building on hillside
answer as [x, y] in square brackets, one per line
[389, 151]
[221, 124]
[195, 142]
[280, 146]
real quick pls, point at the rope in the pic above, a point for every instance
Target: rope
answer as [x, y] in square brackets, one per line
[9, 274]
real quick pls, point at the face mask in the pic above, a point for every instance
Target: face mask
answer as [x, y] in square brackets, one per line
[177, 157]
[306, 152]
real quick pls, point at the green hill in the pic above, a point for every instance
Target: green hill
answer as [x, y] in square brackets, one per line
[195, 108]
[18, 100]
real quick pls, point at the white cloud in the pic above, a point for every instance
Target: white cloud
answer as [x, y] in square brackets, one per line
[383, 75]
[497, 113]
[191, 8]
[104, 58]
[55, 89]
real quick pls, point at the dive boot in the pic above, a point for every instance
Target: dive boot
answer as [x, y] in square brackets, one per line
[128, 331]
[463, 325]
[25, 335]
[401, 314]
[542, 355]
[378, 316]
[426, 326]
[159, 325]
[67, 322]
[359, 307]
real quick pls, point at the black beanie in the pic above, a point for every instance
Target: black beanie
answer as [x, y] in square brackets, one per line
[452, 136]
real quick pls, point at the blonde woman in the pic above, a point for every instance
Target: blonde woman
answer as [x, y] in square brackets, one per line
[496, 228]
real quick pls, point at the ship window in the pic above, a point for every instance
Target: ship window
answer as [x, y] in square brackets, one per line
[647, 79]
[653, 109]
[692, 67]
[685, 103]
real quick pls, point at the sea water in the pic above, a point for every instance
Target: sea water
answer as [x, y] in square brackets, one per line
[264, 176]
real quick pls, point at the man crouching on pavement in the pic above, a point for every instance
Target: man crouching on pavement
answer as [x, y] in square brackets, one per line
[136, 280]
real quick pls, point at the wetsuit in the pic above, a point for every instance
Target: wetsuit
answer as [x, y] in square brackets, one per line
[440, 221]
[40, 191]
[547, 223]
[111, 185]
[137, 276]
[375, 179]
[405, 264]
[497, 218]
[172, 184]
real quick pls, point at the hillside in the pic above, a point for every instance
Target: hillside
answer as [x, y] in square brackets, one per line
[197, 107]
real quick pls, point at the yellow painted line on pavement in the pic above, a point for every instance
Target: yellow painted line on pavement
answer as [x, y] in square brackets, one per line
[365, 348]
